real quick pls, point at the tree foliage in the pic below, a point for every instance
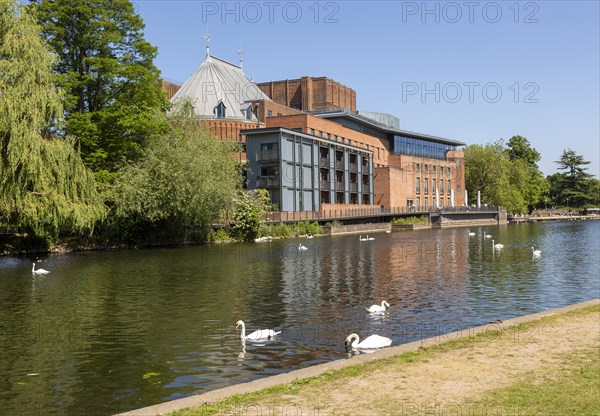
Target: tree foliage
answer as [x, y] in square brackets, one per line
[532, 184]
[183, 182]
[502, 182]
[114, 102]
[44, 185]
[575, 187]
[250, 207]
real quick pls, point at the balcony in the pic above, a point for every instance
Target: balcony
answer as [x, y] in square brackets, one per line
[339, 164]
[325, 185]
[353, 167]
[339, 186]
[353, 187]
[267, 182]
[267, 155]
[323, 161]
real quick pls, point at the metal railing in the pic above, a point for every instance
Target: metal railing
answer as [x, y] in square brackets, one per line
[267, 182]
[263, 155]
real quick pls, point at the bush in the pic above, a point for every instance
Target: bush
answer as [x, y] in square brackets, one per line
[423, 219]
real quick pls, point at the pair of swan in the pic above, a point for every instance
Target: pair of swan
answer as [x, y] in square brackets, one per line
[38, 271]
[263, 239]
[260, 334]
[367, 238]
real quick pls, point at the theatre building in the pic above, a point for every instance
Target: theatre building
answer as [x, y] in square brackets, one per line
[312, 150]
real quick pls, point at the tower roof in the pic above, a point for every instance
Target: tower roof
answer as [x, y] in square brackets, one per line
[218, 81]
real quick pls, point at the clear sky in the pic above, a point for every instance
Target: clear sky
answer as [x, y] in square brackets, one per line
[467, 70]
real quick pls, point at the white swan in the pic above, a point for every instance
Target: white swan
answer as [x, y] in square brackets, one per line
[38, 271]
[256, 335]
[370, 343]
[487, 236]
[309, 236]
[471, 233]
[370, 238]
[536, 253]
[497, 246]
[301, 247]
[360, 238]
[388, 231]
[378, 309]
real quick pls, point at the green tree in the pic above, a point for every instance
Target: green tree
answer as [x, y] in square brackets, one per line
[575, 187]
[183, 183]
[250, 208]
[114, 102]
[44, 186]
[533, 185]
[488, 169]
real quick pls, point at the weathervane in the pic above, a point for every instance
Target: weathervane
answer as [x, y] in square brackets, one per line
[207, 40]
[240, 52]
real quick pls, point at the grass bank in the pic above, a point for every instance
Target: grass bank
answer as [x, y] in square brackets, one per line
[545, 367]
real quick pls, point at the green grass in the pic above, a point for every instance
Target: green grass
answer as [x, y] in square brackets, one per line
[578, 378]
[571, 389]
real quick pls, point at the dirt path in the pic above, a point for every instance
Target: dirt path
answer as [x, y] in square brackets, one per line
[447, 381]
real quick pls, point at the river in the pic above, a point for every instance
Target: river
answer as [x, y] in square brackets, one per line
[111, 331]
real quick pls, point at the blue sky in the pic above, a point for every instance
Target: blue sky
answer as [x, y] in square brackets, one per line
[467, 70]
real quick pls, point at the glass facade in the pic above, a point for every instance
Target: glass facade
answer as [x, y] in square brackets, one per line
[419, 147]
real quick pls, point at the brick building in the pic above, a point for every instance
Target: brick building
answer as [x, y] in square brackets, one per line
[311, 149]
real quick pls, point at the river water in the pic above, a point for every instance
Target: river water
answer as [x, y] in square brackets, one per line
[107, 332]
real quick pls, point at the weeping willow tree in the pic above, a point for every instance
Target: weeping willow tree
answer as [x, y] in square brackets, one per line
[44, 186]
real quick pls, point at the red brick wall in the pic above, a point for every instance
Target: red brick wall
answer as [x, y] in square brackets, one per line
[311, 94]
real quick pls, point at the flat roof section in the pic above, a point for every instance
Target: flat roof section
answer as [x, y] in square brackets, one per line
[372, 123]
[299, 133]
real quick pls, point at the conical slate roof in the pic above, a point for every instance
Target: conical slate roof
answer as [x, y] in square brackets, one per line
[217, 81]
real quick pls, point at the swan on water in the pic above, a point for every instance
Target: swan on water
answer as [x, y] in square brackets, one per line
[388, 231]
[38, 271]
[309, 236]
[256, 335]
[536, 253]
[370, 343]
[370, 238]
[301, 247]
[360, 238]
[487, 236]
[377, 308]
[497, 246]
[471, 233]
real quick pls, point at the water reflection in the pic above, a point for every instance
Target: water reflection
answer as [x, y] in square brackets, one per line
[118, 330]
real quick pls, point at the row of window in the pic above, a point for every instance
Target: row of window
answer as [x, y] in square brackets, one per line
[443, 170]
[419, 147]
[433, 182]
[426, 203]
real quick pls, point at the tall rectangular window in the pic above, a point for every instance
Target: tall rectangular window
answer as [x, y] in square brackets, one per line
[449, 186]
[426, 183]
[441, 187]
[418, 185]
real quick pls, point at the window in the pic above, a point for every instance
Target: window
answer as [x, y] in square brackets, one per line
[449, 186]
[312, 131]
[458, 189]
[434, 169]
[441, 171]
[279, 114]
[269, 113]
[441, 186]
[418, 185]
[417, 168]
[220, 110]
[426, 203]
[418, 201]
[426, 168]
[426, 183]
